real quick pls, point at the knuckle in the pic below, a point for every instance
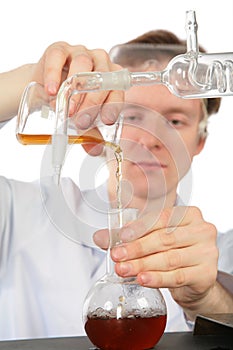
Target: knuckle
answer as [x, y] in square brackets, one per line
[116, 66]
[209, 230]
[80, 48]
[173, 259]
[179, 278]
[58, 44]
[167, 239]
[83, 58]
[205, 284]
[140, 265]
[55, 51]
[160, 279]
[212, 230]
[101, 53]
[195, 211]
[165, 217]
[135, 249]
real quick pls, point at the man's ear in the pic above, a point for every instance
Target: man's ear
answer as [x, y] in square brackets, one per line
[200, 145]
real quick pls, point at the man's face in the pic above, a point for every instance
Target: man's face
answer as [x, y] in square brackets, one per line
[159, 139]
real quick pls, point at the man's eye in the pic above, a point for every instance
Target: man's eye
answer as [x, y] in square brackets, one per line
[175, 122]
[132, 118]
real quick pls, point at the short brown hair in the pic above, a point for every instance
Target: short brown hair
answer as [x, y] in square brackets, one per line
[161, 36]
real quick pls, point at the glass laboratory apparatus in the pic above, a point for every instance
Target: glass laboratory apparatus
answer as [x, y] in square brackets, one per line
[118, 313]
[189, 75]
[43, 120]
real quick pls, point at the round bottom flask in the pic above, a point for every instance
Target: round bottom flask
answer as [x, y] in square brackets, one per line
[118, 313]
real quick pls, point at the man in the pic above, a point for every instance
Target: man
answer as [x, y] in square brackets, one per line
[45, 276]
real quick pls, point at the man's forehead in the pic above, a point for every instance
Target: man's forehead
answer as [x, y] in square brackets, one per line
[138, 54]
[159, 100]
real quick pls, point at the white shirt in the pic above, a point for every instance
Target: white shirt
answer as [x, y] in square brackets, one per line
[225, 245]
[45, 276]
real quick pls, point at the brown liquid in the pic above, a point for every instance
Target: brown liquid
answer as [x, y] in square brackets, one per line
[91, 137]
[47, 139]
[135, 333]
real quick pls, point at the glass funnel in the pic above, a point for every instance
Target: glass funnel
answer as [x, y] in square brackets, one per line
[118, 313]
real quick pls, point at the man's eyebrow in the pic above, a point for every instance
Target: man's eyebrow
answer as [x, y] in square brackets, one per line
[177, 110]
[134, 107]
[138, 109]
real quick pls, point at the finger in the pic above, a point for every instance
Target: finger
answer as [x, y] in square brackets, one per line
[107, 103]
[102, 62]
[166, 261]
[54, 61]
[62, 57]
[90, 60]
[81, 61]
[168, 219]
[203, 234]
[109, 99]
[92, 141]
[199, 278]
[101, 238]
[183, 216]
[112, 107]
[78, 61]
[169, 260]
[62, 60]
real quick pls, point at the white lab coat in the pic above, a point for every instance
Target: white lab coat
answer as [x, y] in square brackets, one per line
[45, 276]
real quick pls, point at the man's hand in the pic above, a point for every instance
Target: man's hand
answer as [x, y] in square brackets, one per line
[177, 250]
[60, 61]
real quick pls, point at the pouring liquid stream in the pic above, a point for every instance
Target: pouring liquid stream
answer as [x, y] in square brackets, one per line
[43, 139]
[125, 324]
[97, 326]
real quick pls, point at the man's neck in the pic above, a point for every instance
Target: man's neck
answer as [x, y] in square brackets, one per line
[143, 203]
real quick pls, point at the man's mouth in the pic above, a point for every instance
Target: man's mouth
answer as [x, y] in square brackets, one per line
[150, 165]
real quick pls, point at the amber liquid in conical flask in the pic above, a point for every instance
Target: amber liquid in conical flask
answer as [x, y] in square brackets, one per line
[90, 141]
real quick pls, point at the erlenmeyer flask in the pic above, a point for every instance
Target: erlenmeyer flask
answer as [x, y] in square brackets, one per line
[118, 313]
[43, 120]
[37, 121]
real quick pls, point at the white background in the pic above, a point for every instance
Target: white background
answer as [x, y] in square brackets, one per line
[27, 27]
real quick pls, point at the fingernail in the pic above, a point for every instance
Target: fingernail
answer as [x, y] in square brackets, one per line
[126, 234]
[72, 107]
[144, 279]
[52, 88]
[124, 269]
[109, 117]
[84, 121]
[119, 253]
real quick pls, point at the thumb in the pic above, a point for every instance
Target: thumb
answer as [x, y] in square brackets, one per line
[101, 238]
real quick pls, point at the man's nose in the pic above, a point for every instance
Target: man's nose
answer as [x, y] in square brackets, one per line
[153, 132]
[150, 139]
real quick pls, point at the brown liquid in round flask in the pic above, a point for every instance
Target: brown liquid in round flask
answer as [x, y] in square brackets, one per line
[118, 313]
